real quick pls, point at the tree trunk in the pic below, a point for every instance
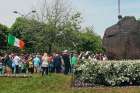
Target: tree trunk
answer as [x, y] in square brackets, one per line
[50, 49]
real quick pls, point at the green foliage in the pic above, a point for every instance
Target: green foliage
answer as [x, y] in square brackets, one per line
[55, 28]
[29, 31]
[110, 73]
[90, 41]
[53, 83]
[41, 37]
[36, 84]
[3, 29]
[3, 35]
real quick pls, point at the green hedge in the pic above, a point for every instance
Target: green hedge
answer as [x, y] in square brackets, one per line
[109, 73]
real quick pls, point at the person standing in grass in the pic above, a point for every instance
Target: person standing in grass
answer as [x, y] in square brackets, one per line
[66, 59]
[13, 67]
[16, 61]
[30, 64]
[57, 63]
[26, 64]
[44, 64]
[36, 62]
[74, 61]
[0, 65]
[51, 64]
[9, 65]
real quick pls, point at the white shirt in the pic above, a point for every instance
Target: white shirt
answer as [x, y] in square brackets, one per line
[44, 61]
[16, 60]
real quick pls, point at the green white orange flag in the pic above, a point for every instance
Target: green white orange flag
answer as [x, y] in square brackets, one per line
[15, 41]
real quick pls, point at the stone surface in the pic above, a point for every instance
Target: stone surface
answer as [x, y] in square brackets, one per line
[122, 40]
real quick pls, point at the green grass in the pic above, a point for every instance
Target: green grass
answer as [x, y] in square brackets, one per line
[54, 83]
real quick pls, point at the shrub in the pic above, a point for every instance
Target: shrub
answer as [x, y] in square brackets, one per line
[109, 73]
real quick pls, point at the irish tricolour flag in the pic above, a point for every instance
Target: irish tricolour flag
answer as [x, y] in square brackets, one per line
[15, 41]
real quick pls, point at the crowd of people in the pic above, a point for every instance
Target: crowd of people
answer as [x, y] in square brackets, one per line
[93, 57]
[63, 62]
[15, 63]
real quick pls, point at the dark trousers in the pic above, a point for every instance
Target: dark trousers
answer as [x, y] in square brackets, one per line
[67, 69]
[17, 69]
[51, 67]
[57, 68]
[31, 70]
[44, 71]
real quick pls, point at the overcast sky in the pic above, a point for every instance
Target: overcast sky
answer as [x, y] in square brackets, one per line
[99, 13]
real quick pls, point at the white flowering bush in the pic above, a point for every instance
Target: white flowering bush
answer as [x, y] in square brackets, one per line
[109, 73]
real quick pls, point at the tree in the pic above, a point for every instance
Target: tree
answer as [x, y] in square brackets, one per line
[90, 41]
[61, 24]
[29, 31]
[3, 37]
[56, 27]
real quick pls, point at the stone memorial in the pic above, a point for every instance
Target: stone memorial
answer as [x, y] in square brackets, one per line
[122, 40]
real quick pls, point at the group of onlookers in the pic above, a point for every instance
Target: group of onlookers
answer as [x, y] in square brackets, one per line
[14, 63]
[63, 62]
[91, 56]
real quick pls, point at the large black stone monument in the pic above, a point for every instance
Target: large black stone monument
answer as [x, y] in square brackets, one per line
[122, 40]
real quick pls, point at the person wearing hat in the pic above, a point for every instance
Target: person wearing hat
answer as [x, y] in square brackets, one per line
[66, 60]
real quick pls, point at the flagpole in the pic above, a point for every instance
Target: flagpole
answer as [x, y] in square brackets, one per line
[119, 10]
[119, 7]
